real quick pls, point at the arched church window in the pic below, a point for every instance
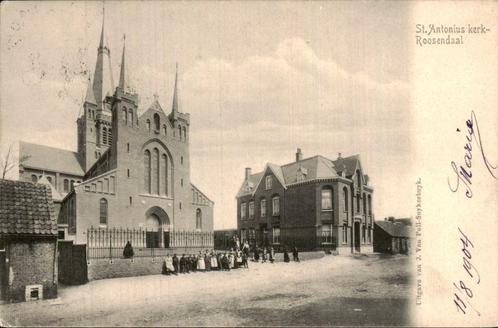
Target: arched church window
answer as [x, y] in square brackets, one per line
[155, 171]
[130, 116]
[125, 115]
[66, 185]
[164, 170]
[165, 130]
[147, 124]
[147, 172]
[198, 219]
[109, 136]
[103, 211]
[157, 122]
[104, 135]
[180, 132]
[184, 133]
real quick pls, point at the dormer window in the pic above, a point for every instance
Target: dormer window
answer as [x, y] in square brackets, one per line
[268, 182]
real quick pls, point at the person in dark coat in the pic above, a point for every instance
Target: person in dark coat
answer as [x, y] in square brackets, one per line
[272, 255]
[183, 264]
[128, 250]
[175, 263]
[219, 258]
[295, 254]
[256, 254]
[286, 256]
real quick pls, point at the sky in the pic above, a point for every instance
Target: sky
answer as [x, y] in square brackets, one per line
[259, 80]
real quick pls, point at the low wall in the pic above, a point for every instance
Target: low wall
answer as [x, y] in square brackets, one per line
[138, 266]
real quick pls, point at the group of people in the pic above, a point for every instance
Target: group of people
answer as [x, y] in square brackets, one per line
[204, 261]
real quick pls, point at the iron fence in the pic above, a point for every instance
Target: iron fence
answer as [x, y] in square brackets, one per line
[110, 242]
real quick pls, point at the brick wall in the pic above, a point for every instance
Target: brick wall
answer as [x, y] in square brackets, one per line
[138, 266]
[32, 263]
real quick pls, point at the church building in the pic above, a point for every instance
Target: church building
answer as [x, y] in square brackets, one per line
[131, 170]
[312, 204]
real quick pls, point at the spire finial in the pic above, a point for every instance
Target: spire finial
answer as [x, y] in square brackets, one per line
[122, 75]
[175, 92]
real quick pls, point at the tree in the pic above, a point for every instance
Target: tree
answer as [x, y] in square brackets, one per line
[9, 161]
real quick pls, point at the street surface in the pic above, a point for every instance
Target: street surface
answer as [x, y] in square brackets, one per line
[335, 290]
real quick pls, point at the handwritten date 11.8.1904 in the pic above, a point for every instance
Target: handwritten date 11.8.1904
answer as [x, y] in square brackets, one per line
[465, 287]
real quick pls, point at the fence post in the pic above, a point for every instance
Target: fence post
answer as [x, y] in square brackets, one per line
[109, 236]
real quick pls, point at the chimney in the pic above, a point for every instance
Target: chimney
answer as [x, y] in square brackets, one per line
[299, 155]
[248, 173]
[339, 156]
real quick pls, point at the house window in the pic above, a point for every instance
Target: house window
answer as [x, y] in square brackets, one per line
[276, 235]
[103, 211]
[369, 235]
[251, 209]
[369, 205]
[276, 205]
[109, 138]
[252, 235]
[72, 184]
[243, 211]
[364, 233]
[346, 200]
[263, 208]
[61, 235]
[326, 198]
[34, 178]
[358, 178]
[243, 235]
[344, 234]
[326, 234]
[198, 219]
[364, 205]
[268, 182]
[358, 203]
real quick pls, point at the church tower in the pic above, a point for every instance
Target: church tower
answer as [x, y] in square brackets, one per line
[94, 126]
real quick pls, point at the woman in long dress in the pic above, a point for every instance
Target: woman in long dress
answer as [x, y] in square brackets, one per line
[200, 263]
[214, 261]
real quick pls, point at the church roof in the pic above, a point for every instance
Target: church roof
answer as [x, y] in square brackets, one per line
[56, 196]
[50, 159]
[26, 208]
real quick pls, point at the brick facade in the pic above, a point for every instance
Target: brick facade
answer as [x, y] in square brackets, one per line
[31, 262]
[133, 162]
[345, 225]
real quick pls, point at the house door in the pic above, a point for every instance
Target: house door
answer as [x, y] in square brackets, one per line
[357, 236]
[3, 275]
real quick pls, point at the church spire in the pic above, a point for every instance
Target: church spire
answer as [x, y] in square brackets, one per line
[103, 82]
[123, 82]
[90, 97]
[175, 94]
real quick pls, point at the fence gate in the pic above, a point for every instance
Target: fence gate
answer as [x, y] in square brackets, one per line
[72, 265]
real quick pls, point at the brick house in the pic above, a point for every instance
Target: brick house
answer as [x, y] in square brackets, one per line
[28, 242]
[313, 203]
[131, 169]
[393, 236]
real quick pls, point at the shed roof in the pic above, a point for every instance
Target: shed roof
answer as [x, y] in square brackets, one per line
[26, 208]
[395, 229]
